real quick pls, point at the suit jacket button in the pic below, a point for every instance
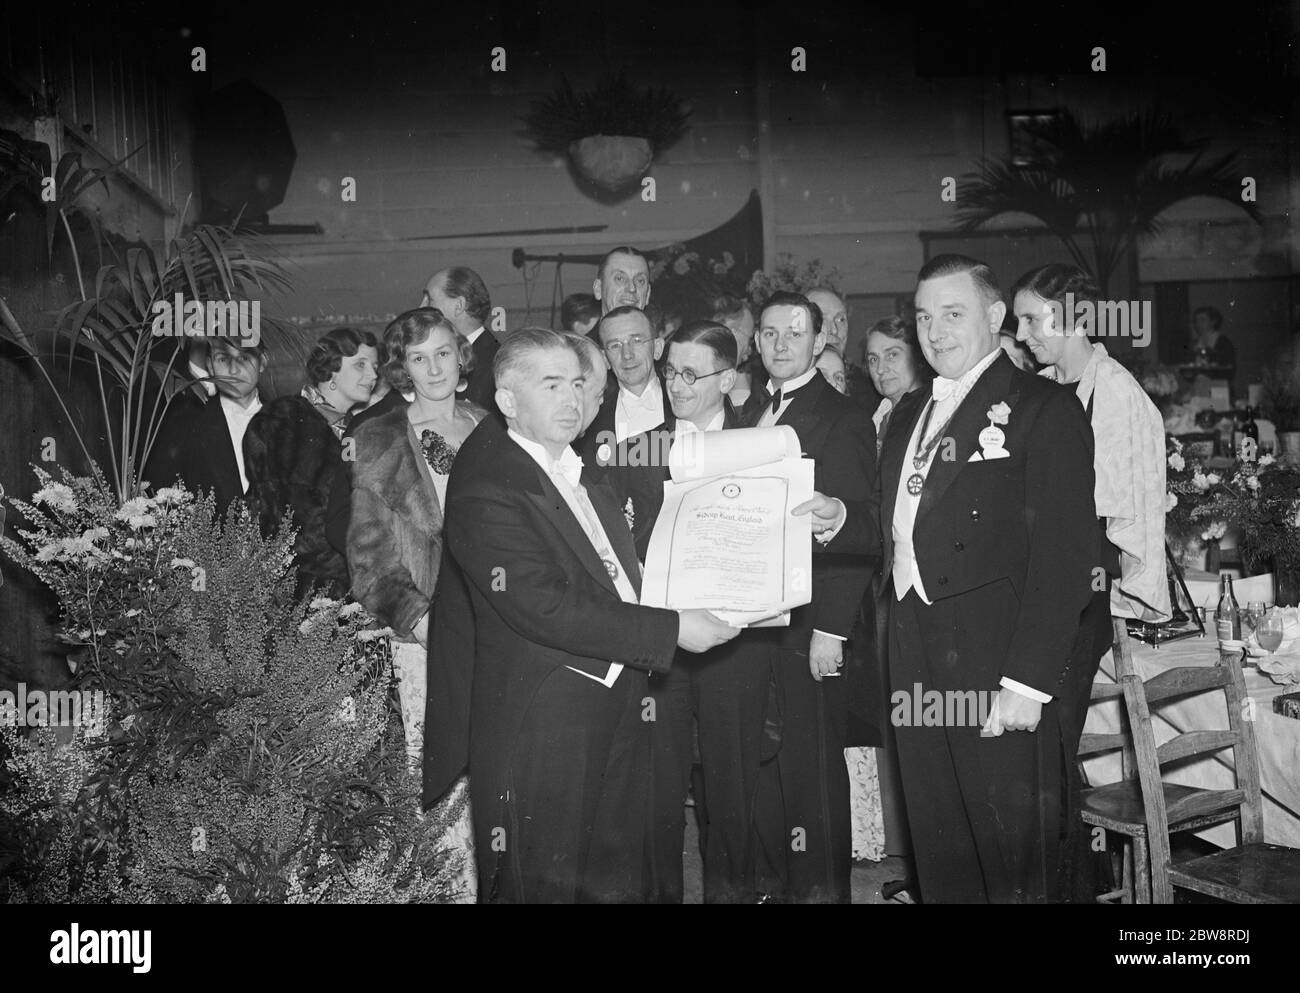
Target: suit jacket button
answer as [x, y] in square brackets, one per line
[943, 580]
[958, 546]
[974, 515]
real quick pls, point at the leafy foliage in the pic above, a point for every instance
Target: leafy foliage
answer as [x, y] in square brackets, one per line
[1111, 181]
[614, 107]
[250, 754]
[110, 326]
[1261, 500]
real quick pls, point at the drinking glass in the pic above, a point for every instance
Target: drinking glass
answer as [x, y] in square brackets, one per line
[1254, 614]
[1269, 631]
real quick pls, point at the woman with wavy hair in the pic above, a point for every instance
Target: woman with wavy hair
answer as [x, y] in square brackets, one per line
[293, 446]
[399, 489]
[399, 485]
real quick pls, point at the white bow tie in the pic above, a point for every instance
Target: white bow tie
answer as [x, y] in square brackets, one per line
[571, 472]
[943, 389]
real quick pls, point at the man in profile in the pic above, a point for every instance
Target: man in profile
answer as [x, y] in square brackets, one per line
[558, 749]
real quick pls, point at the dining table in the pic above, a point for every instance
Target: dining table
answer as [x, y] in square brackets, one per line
[1277, 737]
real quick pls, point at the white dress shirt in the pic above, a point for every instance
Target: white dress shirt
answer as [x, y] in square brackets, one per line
[566, 473]
[634, 414]
[473, 335]
[237, 419]
[787, 394]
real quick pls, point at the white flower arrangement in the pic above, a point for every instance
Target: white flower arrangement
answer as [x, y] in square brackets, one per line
[57, 497]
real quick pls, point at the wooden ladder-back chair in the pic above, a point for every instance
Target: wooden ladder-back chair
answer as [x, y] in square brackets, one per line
[1146, 809]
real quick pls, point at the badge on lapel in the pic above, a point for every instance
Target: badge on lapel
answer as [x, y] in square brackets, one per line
[992, 437]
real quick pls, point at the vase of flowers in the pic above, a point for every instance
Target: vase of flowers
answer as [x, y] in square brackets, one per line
[1192, 538]
[1261, 500]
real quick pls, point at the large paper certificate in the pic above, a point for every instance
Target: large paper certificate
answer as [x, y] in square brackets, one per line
[724, 539]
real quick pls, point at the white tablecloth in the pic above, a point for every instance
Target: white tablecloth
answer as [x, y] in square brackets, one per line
[1277, 738]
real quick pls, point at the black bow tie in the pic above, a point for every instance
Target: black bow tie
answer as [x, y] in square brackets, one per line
[776, 401]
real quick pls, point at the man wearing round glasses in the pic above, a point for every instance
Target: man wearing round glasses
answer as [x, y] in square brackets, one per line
[724, 690]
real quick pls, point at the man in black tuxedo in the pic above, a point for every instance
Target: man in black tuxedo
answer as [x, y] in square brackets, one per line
[637, 401]
[803, 795]
[988, 532]
[724, 691]
[203, 443]
[450, 663]
[462, 296]
[558, 747]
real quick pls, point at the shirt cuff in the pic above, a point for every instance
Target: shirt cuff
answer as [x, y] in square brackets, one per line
[837, 637]
[826, 537]
[1023, 690]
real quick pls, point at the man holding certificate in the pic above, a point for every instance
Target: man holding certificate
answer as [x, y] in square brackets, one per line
[557, 746]
[803, 799]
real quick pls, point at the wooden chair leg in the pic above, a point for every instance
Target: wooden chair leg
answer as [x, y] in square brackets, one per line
[1141, 872]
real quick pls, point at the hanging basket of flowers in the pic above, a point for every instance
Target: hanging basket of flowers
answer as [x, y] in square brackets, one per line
[611, 134]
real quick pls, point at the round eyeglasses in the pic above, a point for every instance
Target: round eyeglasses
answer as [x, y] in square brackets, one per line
[689, 376]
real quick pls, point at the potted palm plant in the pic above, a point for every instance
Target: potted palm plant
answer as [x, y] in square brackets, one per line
[612, 133]
[1099, 188]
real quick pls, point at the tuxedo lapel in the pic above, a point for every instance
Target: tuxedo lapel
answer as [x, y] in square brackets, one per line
[803, 403]
[969, 420]
[543, 493]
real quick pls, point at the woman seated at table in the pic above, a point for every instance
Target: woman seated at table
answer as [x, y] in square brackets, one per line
[293, 446]
[399, 484]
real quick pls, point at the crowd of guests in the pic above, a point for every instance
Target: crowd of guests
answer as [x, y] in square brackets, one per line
[477, 494]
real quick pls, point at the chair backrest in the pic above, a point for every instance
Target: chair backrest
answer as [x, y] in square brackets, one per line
[1097, 743]
[1140, 697]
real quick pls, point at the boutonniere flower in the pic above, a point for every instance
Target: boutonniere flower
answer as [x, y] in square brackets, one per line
[999, 413]
[629, 514]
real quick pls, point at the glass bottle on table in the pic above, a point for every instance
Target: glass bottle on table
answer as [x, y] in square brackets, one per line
[1227, 620]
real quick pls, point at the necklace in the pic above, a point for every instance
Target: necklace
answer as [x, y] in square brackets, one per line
[916, 481]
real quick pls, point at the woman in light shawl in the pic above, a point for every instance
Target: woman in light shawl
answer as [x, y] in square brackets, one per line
[1127, 427]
